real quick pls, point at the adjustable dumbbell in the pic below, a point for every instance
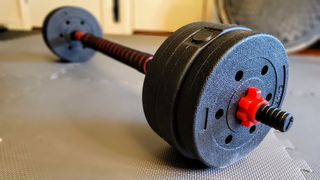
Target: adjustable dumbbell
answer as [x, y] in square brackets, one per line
[212, 91]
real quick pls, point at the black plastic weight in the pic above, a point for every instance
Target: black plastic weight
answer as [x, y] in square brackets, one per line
[210, 93]
[186, 88]
[172, 60]
[193, 83]
[57, 29]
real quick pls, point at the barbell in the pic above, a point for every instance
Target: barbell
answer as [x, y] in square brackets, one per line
[212, 91]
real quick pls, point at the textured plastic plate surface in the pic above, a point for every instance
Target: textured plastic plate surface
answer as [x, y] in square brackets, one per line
[57, 29]
[213, 84]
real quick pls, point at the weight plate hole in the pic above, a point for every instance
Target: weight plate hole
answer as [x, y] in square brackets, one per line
[228, 139]
[70, 47]
[264, 70]
[239, 75]
[82, 22]
[268, 97]
[61, 35]
[219, 114]
[67, 22]
[252, 129]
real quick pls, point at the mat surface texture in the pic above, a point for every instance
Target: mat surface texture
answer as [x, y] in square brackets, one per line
[85, 121]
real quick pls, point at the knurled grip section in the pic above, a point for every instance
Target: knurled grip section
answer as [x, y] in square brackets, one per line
[134, 58]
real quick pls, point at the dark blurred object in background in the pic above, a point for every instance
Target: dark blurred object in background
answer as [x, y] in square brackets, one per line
[6, 34]
[2, 29]
[295, 22]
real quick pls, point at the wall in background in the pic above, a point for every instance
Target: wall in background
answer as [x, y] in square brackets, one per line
[166, 15]
[15, 14]
[134, 15]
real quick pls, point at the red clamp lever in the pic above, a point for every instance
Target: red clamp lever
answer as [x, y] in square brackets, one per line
[253, 108]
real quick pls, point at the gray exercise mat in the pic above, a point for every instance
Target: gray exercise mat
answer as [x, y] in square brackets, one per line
[85, 121]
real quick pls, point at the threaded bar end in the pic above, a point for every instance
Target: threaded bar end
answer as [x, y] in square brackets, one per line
[275, 117]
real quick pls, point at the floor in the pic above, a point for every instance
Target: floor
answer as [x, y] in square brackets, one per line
[71, 120]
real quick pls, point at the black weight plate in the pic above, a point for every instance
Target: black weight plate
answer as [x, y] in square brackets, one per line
[59, 25]
[176, 70]
[296, 23]
[158, 65]
[216, 138]
[150, 82]
[173, 65]
[155, 71]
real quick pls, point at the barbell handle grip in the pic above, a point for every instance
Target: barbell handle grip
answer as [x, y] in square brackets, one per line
[131, 57]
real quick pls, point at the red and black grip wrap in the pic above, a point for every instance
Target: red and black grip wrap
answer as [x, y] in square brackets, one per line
[134, 58]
